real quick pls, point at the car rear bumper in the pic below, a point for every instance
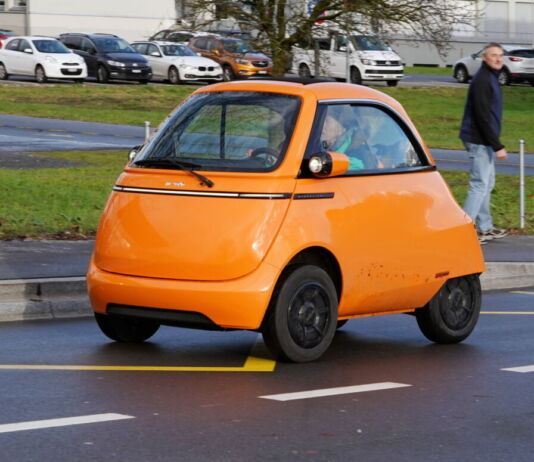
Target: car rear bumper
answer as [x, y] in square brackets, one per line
[235, 304]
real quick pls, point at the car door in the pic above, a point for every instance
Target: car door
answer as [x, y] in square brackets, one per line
[89, 53]
[28, 57]
[338, 65]
[157, 61]
[473, 63]
[388, 234]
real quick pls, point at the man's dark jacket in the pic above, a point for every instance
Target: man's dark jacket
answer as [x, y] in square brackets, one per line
[483, 110]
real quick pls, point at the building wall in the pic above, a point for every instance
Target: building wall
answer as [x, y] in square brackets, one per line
[130, 19]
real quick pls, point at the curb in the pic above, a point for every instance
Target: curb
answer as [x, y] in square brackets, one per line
[46, 298]
[56, 298]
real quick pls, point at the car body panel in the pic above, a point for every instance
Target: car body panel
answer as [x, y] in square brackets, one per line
[396, 236]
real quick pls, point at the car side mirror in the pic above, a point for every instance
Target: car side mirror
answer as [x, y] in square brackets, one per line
[342, 48]
[133, 152]
[474, 56]
[327, 164]
[155, 53]
[28, 50]
[92, 51]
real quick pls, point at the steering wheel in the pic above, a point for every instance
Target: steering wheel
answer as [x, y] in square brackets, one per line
[268, 156]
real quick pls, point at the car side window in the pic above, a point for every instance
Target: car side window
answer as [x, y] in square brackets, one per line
[151, 49]
[370, 137]
[200, 43]
[140, 48]
[13, 45]
[24, 44]
[340, 43]
[86, 45]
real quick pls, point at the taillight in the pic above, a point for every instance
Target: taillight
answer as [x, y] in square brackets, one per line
[513, 58]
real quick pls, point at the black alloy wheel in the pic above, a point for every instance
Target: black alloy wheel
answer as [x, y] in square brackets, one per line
[302, 317]
[460, 74]
[102, 74]
[504, 77]
[453, 312]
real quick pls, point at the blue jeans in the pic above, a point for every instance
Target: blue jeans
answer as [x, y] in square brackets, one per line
[481, 183]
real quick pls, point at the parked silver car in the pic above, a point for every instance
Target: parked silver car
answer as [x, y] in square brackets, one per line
[176, 63]
[518, 66]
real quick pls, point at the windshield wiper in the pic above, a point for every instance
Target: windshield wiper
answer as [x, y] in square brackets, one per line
[179, 164]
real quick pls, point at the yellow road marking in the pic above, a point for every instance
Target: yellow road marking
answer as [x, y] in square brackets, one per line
[507, 312]
[258, 360]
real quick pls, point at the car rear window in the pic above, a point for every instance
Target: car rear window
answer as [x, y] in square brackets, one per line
[523, 53]
[228, 131]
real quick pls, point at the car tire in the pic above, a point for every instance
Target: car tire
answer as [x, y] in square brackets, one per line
[453, 312]
[40, 74]
[461, 75]
[3, 72]
[302, 317]
[355, 76]
[228, 73]
[174, 75]
[504, 77]
[102, 75]
[392, 83]
[126, 330]
[304, 71]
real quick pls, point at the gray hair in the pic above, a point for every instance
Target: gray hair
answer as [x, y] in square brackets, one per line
[491, 45]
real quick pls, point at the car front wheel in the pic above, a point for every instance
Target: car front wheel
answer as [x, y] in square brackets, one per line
[453, 312]
[128, 330]
[3, 72]
[355, 76]
[302, 317]
[174, 75]
[304, 71]
[228, 73]
[102, 74]
[40, 74]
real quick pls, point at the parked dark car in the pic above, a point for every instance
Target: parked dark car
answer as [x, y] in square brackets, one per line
[108, 57]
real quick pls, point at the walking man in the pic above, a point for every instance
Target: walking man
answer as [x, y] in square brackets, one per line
[480, 132]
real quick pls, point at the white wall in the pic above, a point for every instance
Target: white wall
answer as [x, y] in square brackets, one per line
[129, 19]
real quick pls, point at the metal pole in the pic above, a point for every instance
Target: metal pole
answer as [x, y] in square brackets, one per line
[521, 184]
[147, 130]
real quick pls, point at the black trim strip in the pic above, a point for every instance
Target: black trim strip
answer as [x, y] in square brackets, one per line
[301, 196]
[231, 195]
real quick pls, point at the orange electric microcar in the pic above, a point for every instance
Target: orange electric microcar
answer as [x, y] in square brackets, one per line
[286, 208]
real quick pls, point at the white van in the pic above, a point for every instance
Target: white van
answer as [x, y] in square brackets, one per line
[369, 59]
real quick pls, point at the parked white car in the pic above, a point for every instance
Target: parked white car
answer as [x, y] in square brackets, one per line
[43, 57]
[368, 59]
[518, 66]
[176, 63]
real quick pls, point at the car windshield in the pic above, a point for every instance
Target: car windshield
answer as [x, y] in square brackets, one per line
[226, 131]
[113, 45]
[177, 50]
[365, 42]
[50, 46]
[237, 46]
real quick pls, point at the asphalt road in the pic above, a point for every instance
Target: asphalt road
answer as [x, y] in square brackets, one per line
[424, 401]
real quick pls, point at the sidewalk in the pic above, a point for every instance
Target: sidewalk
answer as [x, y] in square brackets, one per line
[46, 279]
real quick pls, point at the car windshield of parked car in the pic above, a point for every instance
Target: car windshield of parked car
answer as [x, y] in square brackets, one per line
[50, 46]
[237, 46]
[368, 43]
[177, 50]
[225, 131]
[113, 45]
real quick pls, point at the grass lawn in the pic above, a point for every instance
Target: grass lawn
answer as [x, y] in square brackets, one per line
[428, 70]
[437, 112]
[68, 202]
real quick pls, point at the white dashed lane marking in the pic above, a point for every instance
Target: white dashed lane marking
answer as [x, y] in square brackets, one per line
[522, 369]
[49, 423]
[334, 391]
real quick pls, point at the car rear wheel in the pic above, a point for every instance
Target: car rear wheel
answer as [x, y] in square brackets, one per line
[228, 73]
[453, 312]
[174, 75]
[504, 77]
[128, 330]
[3, 72]
[355, 76]
[102, 74]
[40, 74]
[392, 83]
[460, 74]
[304, 71]
[302, 317]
